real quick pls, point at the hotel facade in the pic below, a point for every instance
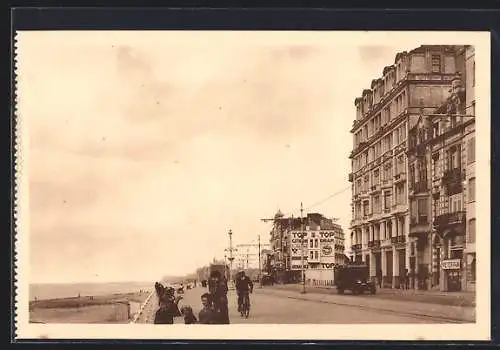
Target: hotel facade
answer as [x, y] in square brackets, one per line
[418, 83]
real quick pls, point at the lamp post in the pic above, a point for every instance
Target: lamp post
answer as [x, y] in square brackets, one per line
[230, 258]
[302, 249]
[260, 267]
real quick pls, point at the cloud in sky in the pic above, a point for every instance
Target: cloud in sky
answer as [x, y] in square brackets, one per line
[145, 152]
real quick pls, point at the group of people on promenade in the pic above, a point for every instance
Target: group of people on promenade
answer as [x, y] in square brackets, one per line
[214, 302]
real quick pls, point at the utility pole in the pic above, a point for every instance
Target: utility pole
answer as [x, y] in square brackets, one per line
[247, 260]
[260, 268]
[302, 248]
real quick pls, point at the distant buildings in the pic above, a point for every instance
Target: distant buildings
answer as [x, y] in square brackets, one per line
[318, 242]
[247, 255]
[409, 171]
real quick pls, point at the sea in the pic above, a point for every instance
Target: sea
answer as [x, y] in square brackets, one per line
[43, 291]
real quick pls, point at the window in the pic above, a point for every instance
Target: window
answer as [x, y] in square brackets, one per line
[412, 173]
[358, 186]
[387, 172]
[471, 150]
[376, 204]
[316, 243]
[472, 189]
[400, 165]
[376, 177]
[422, 171]
[472, 231]
[422, 210]
[435, 164]
[455, 203]
[366, 207]
[454, 157]
[436, 64]
[367, 182]
[311, 255]
[316, 257]
[387, 199]
[400, 194]
[377, 150]
[311, 243]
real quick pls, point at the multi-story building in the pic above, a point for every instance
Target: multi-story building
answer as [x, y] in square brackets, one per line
[323, 246]
[247, 255]
[417, 82]
[316, 247]
[451, 139]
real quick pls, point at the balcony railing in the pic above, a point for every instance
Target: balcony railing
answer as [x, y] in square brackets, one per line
[417, 221]
[356, 247]
[374, 244]
[398, 239]
[420, 187]
[450, 219]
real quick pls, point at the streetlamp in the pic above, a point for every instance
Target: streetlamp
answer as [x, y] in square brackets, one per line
[302, 249]
[230, 258]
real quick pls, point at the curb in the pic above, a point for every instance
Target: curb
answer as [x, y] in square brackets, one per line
[389, 295]
[141, 309]
[365, 307]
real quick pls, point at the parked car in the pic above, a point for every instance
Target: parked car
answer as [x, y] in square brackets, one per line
[353, 277]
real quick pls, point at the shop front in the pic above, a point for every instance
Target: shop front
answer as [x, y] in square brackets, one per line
[452, 275]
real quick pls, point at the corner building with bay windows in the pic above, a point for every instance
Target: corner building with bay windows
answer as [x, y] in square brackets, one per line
[417, 83]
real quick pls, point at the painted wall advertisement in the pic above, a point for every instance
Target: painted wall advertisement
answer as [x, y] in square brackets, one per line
[319, 244]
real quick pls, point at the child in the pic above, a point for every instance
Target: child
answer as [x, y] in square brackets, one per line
[189, 317]
[207, 314]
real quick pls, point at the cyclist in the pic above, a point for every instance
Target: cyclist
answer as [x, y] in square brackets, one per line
[244, 285]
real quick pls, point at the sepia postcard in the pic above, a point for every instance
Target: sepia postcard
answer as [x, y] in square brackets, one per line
[252, 185]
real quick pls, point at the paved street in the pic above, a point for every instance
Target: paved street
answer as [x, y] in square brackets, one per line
[286, 307]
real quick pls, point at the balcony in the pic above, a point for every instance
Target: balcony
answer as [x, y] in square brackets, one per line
[356, 247]
[419, 187]
[374, 244]
[452, 181]
[450, 219]
[398, 240]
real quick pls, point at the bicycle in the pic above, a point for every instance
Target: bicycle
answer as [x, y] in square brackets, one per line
[245, 306]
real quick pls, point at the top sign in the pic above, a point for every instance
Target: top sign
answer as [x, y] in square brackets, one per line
[452, 264]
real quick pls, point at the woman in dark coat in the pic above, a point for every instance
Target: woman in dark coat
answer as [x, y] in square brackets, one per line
[169, 308]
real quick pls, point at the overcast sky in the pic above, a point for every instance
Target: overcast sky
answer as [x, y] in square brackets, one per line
[145, 149]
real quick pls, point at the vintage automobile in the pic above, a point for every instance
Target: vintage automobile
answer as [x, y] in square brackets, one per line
[353, 277]
[267, 280]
